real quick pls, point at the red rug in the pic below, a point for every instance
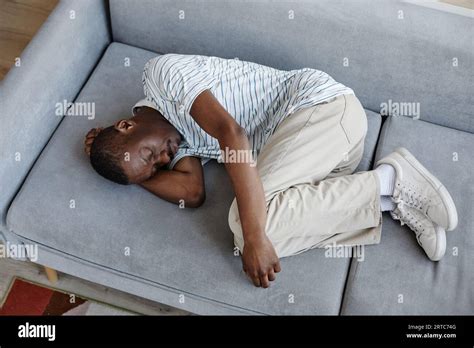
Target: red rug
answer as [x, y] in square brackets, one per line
[25, 298]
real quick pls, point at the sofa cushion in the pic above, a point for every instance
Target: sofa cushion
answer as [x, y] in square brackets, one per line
[397, 270]
[65, 206]
[390, 51]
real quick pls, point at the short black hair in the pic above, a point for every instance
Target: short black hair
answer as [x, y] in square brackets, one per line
[106, 153]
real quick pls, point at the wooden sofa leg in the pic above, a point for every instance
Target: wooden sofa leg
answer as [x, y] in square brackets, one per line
[51, 274]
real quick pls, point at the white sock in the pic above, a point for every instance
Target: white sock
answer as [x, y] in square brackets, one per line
[386, 174]
[386, 203]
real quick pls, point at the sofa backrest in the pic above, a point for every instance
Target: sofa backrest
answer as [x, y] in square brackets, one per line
[398, 57]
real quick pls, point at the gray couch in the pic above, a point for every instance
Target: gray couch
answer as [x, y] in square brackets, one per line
[125, 238]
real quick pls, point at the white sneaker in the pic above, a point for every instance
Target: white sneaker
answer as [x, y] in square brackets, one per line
[417, 188]
[431, 237]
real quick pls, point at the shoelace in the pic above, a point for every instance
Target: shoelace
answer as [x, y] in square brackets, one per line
[411, 198]
[405, 217]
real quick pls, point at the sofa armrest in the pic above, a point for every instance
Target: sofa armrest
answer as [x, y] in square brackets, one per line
[53, 67]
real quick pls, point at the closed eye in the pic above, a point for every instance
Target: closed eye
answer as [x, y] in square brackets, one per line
[150, 156]
[147, 155]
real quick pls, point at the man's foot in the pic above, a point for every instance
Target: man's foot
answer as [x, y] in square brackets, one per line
[432, 238]
[418, 189]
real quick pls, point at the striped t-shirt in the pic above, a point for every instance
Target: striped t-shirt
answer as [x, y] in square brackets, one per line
[256, 96]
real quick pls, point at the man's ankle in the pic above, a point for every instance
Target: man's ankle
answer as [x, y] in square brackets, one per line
[386, 175]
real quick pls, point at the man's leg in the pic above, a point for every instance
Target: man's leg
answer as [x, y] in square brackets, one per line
[304, 210]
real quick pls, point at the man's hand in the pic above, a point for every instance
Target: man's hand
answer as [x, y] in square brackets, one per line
[90, 136]
[260, 261]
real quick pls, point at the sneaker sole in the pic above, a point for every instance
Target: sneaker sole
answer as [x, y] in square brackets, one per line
[440, 188]
[440, 245]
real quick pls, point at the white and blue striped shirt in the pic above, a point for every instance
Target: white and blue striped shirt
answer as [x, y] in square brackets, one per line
[256, 96]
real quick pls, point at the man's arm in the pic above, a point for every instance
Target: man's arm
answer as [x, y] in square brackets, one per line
[185, 183]
[259, 258]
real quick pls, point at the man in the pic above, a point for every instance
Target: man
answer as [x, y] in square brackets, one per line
[308, 132]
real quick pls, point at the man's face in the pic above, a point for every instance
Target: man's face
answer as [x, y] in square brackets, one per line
[148, 146]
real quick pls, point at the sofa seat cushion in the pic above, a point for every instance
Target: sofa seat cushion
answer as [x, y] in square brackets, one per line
[396, 277]
[64, 205]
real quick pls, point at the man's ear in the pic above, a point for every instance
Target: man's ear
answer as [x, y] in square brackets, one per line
[124, 125]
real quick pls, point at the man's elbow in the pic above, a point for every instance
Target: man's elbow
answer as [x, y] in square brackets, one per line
[196, 198]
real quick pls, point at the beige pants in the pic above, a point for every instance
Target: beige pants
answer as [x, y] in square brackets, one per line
[305, 168]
